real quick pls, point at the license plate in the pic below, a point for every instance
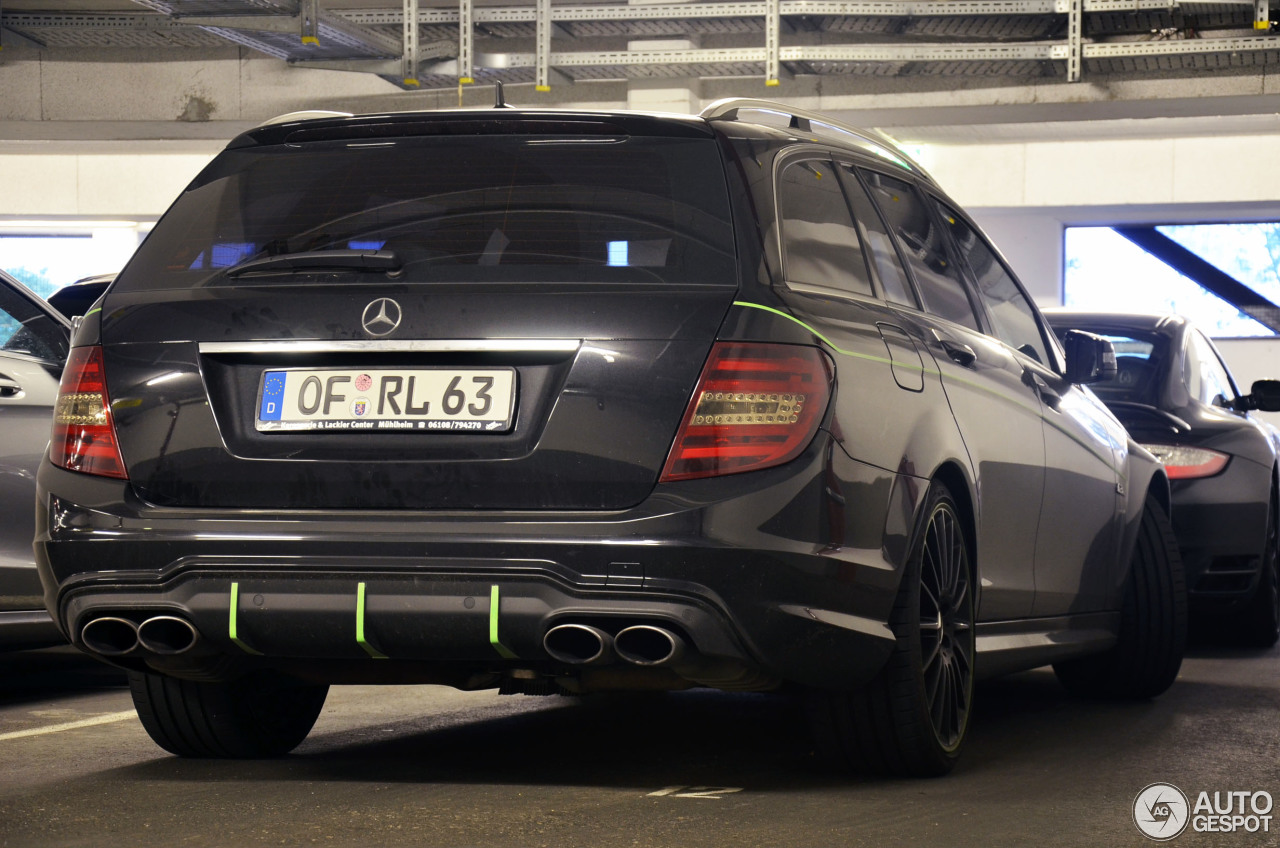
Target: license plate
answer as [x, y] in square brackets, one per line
[466, 400]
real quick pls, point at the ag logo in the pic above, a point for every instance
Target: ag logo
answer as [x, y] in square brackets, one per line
[1161, 811]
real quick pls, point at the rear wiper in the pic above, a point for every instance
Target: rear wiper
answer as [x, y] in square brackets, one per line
[356, 260]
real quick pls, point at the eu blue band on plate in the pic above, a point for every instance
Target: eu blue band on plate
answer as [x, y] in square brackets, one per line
[272, 396]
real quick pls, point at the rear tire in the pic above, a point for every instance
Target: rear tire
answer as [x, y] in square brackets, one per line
[248, 718]
[1153, 626]
[911, 720]
[1260, 624]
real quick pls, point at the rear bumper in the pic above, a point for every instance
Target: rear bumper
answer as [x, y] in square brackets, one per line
[1221, 524]
[783, 579]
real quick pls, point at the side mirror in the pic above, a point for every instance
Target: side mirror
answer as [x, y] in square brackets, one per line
[1264, 396]
[1090, 358]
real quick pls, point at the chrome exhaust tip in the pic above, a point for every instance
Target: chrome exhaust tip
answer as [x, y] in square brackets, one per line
[110, 636]
[167, 635]
[645, 644]
[578, 644]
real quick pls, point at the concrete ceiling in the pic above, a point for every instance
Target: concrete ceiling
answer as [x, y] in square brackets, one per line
[948, 71]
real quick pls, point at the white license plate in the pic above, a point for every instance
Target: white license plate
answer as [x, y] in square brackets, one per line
[468, 400]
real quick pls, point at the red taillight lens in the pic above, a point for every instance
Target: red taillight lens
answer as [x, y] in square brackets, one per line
[84, 436]
[1186, 463]
[756, 406]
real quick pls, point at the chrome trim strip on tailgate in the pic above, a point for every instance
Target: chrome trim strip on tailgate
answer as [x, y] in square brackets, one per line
[398, 346]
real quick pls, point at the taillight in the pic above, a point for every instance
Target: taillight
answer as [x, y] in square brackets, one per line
[84, 436]
[756, 406]
[1185, 463]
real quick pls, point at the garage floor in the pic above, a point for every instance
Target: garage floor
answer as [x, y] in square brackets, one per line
[426, 766]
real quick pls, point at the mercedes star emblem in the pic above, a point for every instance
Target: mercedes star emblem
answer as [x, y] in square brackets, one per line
[381, 317]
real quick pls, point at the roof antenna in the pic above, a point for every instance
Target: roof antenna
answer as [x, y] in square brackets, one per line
[499, 100]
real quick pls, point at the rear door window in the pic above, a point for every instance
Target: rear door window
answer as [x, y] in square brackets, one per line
[1013, 319]
[821, 245]
[941, 287]
[894, 283]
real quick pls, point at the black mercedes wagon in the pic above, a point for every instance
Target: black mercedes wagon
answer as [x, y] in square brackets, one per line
[558, 402]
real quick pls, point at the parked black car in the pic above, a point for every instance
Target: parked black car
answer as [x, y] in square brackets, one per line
[1177, 398]
[76, 299]
[559, 401]
[34, 340]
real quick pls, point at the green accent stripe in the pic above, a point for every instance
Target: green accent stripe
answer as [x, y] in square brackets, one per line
[232, 629]
[363, 642]
[883, 360]
[503, 650]
[1106, 460]
[92, 311]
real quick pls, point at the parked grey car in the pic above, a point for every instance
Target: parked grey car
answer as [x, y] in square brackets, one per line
[33, 347]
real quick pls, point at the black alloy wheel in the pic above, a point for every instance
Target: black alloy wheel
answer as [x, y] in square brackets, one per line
[911, 719]
[946, 627]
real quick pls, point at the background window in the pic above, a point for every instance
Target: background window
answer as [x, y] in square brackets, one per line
[46, 261]
[820, 242]
[1107, 272]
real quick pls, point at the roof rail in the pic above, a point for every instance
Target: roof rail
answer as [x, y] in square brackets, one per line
[805, 121]
[305, 115]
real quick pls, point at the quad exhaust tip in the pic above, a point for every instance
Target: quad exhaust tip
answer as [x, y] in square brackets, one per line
[645, 644]
[160, 635]
[167, 635]
[110, 636]
[578, 644]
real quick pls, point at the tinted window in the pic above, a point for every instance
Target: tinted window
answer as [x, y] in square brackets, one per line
[820, 242]
[1012, 317]
[485, 207]
[923, 247]
[25, 329]
[1207, 378]
[893, 277]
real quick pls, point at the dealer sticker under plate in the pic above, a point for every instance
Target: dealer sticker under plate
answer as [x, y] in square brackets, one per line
[480, 400]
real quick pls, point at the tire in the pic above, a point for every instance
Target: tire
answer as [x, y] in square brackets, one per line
[1260, 621]
[248, 718]
[1153, 623]
[911, 720]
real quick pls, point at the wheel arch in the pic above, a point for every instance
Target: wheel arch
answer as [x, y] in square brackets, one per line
[953, 476]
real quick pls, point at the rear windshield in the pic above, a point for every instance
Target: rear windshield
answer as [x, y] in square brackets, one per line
[456, 208]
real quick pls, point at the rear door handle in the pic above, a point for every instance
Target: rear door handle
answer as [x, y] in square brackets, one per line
[959, 352]
[9, 390]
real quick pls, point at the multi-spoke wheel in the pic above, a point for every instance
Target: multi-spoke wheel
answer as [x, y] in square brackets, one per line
[912, 718]
[946, 626]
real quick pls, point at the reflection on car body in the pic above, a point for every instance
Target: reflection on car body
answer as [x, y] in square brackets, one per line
[782, 419]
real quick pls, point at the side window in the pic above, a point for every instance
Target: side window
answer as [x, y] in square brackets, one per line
[941, 287]
[888, 267]
[25, 329]
[819, 241]
[1012, 316]
[1206, 376]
